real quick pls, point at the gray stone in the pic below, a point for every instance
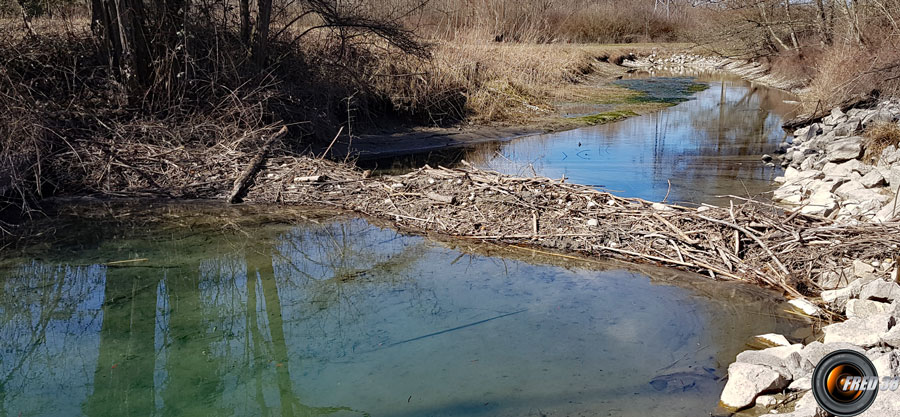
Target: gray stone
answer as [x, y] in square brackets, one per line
[845, 129]
[815, 351]
[766, 401]
[778, 358]
[772, 340]
[892, 337]
[746, 381]
[880, 290]
[805, 306]
[792, 175]
[844, 169]
[887, 404]
[837, 299]
[844, 149]
[785, 192]
[889, 156]
[889, 212]
[854, 190]
[872, 179]
[882, 116]
[836, 117]
[885, 363]
[766, 157]
[806, 406]
[892, 175]
[861, 268]
[861, 332]
[821, 203]
[801, 384]
[865, 209]
[808, 163]
[866, 308]
[807, 133]
[831, 280]
[857, 285]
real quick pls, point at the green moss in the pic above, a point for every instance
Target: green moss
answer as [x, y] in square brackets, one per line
[667, 90]
[697, 87]
[606, 117]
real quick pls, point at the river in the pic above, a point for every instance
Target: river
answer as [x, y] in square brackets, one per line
[194, 309]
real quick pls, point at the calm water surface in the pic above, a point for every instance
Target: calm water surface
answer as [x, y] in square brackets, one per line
[336, 316]
[707, 146]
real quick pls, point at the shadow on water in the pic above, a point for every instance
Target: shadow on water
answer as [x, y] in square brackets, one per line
[245, 313]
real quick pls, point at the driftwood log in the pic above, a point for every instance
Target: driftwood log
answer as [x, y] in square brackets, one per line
[242, 183]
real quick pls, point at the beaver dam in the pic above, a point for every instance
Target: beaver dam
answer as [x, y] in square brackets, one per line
[749, 240]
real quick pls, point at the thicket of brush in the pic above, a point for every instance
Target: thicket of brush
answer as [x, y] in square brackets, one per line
[180, 112]
[845, 50]
[79, 115]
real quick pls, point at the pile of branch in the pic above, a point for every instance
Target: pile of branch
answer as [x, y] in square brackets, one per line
[750, 241]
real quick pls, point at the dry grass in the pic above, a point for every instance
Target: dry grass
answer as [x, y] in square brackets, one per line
[878, 137]
[565, 21]
[514, 83]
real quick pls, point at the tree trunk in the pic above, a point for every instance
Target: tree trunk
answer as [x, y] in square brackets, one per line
[823, 24]
[246, 23]
[120, 24]
[261, 35]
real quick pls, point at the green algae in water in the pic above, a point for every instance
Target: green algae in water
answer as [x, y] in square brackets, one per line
[671, 90]
[606, 117]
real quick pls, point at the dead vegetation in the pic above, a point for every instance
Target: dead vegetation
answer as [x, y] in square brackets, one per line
[748, 241]
[877, 138]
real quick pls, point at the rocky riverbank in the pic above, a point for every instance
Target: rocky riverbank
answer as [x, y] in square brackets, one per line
[833, 170]
[839, 170]
[751, 71]
[777, 379]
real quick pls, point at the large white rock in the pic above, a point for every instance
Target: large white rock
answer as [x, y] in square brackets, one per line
[782, 359]
[865, 332]
[880, 290]
[861, 269]
[772, 339]
[805, 306]
[844, 149]
[801, 384]
[821, 203]
[844, 169]
[857, 285]
[866, 308]
[838, 298]
[815, 351]
[854, 190]
[892, 337]
[889, 212]
[892, 175]
[872, 179]
[746, 381]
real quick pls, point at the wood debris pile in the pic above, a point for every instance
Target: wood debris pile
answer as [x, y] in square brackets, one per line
[751, 241]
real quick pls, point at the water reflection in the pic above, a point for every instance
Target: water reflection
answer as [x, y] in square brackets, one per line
[340, 317]
[704, 147]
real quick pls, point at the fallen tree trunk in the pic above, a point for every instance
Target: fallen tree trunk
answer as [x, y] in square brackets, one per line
[242, 183]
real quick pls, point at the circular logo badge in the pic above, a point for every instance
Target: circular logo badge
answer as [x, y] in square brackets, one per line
[845, 383]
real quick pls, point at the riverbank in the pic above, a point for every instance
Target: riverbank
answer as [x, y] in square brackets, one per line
[749, 70]
[844, 168]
